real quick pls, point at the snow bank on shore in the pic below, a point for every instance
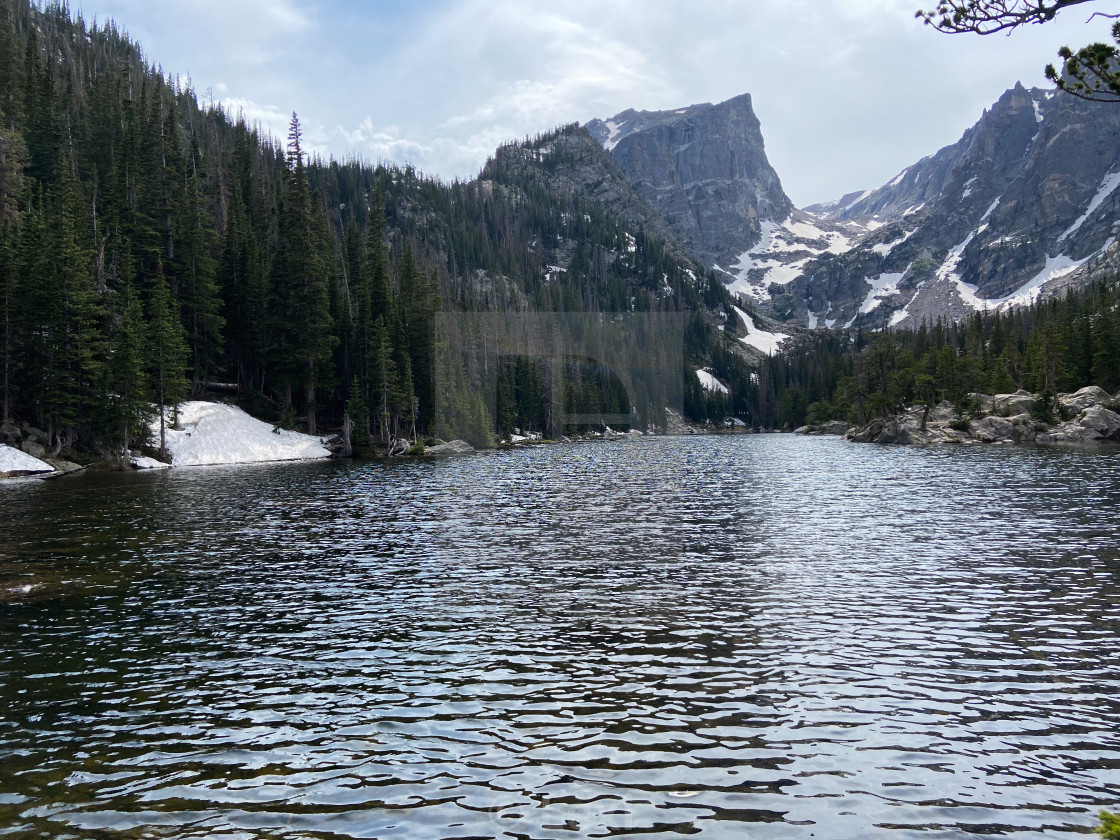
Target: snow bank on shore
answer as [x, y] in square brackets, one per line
[142, 462]
[15, 460]
[215, 433]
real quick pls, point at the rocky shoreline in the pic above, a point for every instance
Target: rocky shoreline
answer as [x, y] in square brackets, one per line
[1090, 416]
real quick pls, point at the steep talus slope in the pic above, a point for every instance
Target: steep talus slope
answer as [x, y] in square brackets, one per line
[704, 169]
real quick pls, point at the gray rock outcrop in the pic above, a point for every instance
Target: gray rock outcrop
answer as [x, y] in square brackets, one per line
[703, 169]
[455, 447]
[1010, 422]
[832, 427]
[33, 448]
[1021, 402]
[1095, 424]
[1085, 398]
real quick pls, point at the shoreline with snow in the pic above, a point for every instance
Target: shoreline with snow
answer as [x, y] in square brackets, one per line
[206, 434]
[210, 433]
[15, 463]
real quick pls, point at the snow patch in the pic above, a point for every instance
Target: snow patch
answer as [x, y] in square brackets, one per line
[898, 179]
[856, 200]
[883, 286]
[812, 320]
[16, 460]
[991, 209]
[760, 339]
[1110, 182]
[615, 135]
[143, 462]
[771, 256]
[884, 248]
[948, 269]
[710, 383]
[215, 433]
[1055, 267]
[968, 185]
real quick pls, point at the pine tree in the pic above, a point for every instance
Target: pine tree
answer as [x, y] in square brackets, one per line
[357, 412]
[63, 313]
[8, 316]
[382, 379]
[198, 288]
[167, 353]
[128, 405]
[301, 327]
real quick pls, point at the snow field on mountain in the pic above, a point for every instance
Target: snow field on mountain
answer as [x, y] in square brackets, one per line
[883, 286]
[760, 339]
[1111, 182]
[771, 255]
[710, 383]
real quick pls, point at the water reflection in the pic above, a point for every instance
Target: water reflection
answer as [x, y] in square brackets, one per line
[754, 636]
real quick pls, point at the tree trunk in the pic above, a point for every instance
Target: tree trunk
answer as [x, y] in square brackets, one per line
[347, 428]
[7, 356]
[309, 397]
[162, 430]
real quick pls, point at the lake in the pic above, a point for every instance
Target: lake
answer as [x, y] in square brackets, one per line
[755, 636]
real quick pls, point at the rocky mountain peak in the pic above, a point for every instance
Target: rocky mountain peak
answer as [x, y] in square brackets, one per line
[704, 169]
[1025, 203]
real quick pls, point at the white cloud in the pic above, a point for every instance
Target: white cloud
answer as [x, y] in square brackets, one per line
[848, 91]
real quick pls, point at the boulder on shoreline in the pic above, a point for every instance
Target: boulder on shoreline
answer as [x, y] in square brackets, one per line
[455, 447]
[1004, 418]
[830, 427]
[1085, 398]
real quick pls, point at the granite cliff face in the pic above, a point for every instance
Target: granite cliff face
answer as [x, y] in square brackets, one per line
[704, 170]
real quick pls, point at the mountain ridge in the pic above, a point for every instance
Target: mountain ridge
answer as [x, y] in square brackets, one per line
[1022, 205]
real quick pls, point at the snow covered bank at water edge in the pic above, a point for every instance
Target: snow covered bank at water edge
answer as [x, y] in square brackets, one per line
[15, 462]
[215, 433]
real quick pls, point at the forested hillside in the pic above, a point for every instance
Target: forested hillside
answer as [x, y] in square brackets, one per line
[151, 249]
[1056, 345]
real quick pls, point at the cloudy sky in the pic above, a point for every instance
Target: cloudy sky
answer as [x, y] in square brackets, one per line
[848, 91]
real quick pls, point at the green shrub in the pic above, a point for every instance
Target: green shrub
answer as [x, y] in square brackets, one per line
[961, 425]
[417, 448]
[1109, 828]
[1044, 408]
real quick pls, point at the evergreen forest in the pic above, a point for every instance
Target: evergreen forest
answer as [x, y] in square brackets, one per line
[152, 250]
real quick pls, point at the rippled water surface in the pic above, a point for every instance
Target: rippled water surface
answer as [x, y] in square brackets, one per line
[759, 636]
